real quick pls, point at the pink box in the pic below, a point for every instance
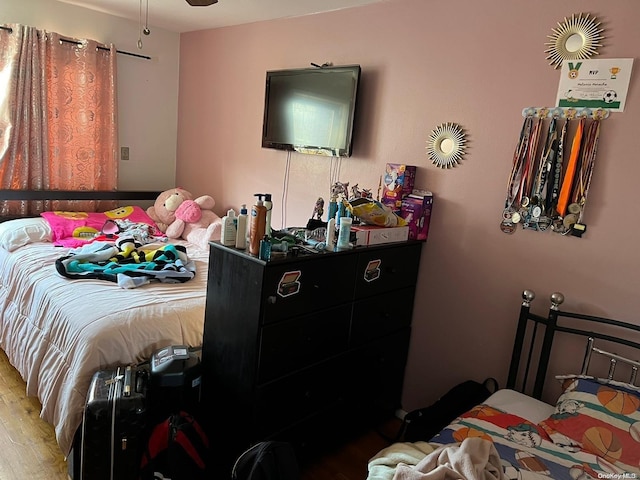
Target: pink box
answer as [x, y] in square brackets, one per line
[397, 183]
[416, 210]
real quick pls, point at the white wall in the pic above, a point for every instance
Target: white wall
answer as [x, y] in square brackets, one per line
[147, 89]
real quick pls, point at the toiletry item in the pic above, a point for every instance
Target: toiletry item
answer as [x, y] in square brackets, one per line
[257, 225]
[241, 232]
[265, 249]
[344, 232]
[339, 213]
[269, 206]
[228, 234]
[330, 239]
[333, 209]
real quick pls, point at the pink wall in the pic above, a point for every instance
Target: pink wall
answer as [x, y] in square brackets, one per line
[425, 63]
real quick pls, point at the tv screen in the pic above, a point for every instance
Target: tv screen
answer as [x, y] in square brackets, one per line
[311, 110]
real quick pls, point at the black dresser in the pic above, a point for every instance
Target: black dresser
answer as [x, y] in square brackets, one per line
[304, 348]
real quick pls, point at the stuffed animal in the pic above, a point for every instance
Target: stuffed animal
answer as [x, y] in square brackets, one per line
[179, 215]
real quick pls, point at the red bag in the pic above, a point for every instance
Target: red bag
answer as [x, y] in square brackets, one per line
[177, 449]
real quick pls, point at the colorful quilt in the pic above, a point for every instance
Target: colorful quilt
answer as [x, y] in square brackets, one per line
[128, 264]
[525, 449]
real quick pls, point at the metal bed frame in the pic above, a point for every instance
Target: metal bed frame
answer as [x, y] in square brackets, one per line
[536, 332]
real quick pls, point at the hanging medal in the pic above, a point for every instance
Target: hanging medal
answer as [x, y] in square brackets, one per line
[509, 214]
[553, 191]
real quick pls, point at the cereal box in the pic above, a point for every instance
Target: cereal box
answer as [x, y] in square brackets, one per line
[398, 182]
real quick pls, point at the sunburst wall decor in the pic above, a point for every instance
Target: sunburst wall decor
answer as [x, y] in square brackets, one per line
[446, 145]
[577, 38]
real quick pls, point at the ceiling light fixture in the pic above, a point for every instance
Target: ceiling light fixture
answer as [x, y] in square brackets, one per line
[201, 3]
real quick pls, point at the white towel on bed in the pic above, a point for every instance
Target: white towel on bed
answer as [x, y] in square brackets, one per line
[383, 465]
[473, 459]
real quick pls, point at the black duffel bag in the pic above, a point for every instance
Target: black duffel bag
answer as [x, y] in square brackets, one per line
[424, 423]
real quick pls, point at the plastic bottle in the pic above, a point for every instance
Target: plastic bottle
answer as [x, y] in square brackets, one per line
[265, 248]
[269, 205]
[228, 234]
[344, 232]
[331, 234]
[257, 226]
[241, 233]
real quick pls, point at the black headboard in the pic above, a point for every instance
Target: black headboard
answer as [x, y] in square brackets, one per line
[76, 195]
[535, 337]
[71, 195]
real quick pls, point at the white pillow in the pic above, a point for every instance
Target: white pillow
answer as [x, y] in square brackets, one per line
[17, 233]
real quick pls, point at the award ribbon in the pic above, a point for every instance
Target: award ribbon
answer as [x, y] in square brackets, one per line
[586, 167]
[552, 193]
[567, 183]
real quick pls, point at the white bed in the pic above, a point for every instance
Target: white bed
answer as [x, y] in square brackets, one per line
[57, 331]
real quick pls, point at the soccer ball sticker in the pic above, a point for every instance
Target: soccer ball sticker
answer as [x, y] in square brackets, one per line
[609, 96]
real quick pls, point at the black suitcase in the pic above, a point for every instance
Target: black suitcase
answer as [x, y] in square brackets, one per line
[114, 425]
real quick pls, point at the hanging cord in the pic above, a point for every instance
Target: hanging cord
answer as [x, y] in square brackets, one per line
[146, 30]
[285, 191]
[140, 26]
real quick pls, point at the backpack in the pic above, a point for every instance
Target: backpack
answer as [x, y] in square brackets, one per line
[176, 450]
[270, 460]
[424, 423]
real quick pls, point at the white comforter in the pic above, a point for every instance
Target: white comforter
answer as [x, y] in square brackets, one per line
[57, 332]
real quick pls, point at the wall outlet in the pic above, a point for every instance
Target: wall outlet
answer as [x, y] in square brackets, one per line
[124, 153]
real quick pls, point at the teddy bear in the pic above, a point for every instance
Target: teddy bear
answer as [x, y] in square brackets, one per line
[179, 215]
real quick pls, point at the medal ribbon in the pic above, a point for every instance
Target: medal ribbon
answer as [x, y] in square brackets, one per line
[546, 161]
[513, 186]
[529, 166]
[552, 193]
[567, 183]
[586, 168]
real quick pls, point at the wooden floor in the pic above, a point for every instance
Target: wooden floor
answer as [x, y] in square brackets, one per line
[28, 449]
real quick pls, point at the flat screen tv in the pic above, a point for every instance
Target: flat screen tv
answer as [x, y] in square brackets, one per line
[311, 110]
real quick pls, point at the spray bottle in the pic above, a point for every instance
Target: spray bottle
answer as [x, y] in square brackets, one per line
[258, 224]
[269, 205]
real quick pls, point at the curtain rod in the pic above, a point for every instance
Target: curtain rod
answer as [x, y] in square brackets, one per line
[10, 30]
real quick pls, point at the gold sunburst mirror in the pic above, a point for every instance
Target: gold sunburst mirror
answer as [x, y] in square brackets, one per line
[576, 38]
[446, 145]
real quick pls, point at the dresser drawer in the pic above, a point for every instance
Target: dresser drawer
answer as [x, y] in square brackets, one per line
[381, 315]
[284, 402]
[378, 373]
[294, 289]
[296, 343]
[383, 270]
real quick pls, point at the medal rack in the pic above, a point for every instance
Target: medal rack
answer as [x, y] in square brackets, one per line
[549, 182]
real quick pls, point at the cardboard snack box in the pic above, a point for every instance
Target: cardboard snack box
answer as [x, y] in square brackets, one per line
[398, 182]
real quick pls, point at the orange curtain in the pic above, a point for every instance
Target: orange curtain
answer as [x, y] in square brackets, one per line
[62, 127]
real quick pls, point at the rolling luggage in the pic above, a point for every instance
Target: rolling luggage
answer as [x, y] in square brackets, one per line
[114, 425]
